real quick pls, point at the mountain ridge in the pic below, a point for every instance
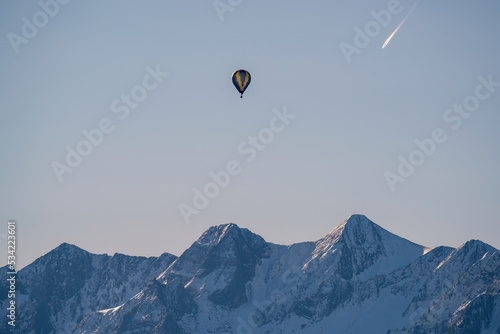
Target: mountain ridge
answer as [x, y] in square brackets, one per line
[231, 280]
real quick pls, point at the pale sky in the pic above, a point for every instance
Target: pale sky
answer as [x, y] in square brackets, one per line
[350, 111]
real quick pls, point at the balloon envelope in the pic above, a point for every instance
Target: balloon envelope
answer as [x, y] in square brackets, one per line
[241, 80]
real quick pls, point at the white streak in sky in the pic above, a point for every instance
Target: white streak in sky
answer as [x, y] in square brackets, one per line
[400, 25]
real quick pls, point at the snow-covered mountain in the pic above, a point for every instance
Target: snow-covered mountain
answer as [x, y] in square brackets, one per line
[359, 278]
[57, 290]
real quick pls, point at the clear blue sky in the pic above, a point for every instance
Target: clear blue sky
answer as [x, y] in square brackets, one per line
[352, 121]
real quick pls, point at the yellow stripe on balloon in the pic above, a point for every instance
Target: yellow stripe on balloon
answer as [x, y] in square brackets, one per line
[246, 80]
[238, 78]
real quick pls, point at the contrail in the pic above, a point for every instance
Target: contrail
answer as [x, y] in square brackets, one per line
[400, 25]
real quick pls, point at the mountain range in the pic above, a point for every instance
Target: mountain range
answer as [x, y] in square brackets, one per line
[359, 278]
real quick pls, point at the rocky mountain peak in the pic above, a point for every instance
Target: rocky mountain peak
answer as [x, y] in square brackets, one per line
[215, 234]
[361, 246]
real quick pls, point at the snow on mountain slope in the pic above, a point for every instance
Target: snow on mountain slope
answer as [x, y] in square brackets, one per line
[420, 297]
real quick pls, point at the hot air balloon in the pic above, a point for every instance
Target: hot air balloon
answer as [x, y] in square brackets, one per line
[241, 80]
